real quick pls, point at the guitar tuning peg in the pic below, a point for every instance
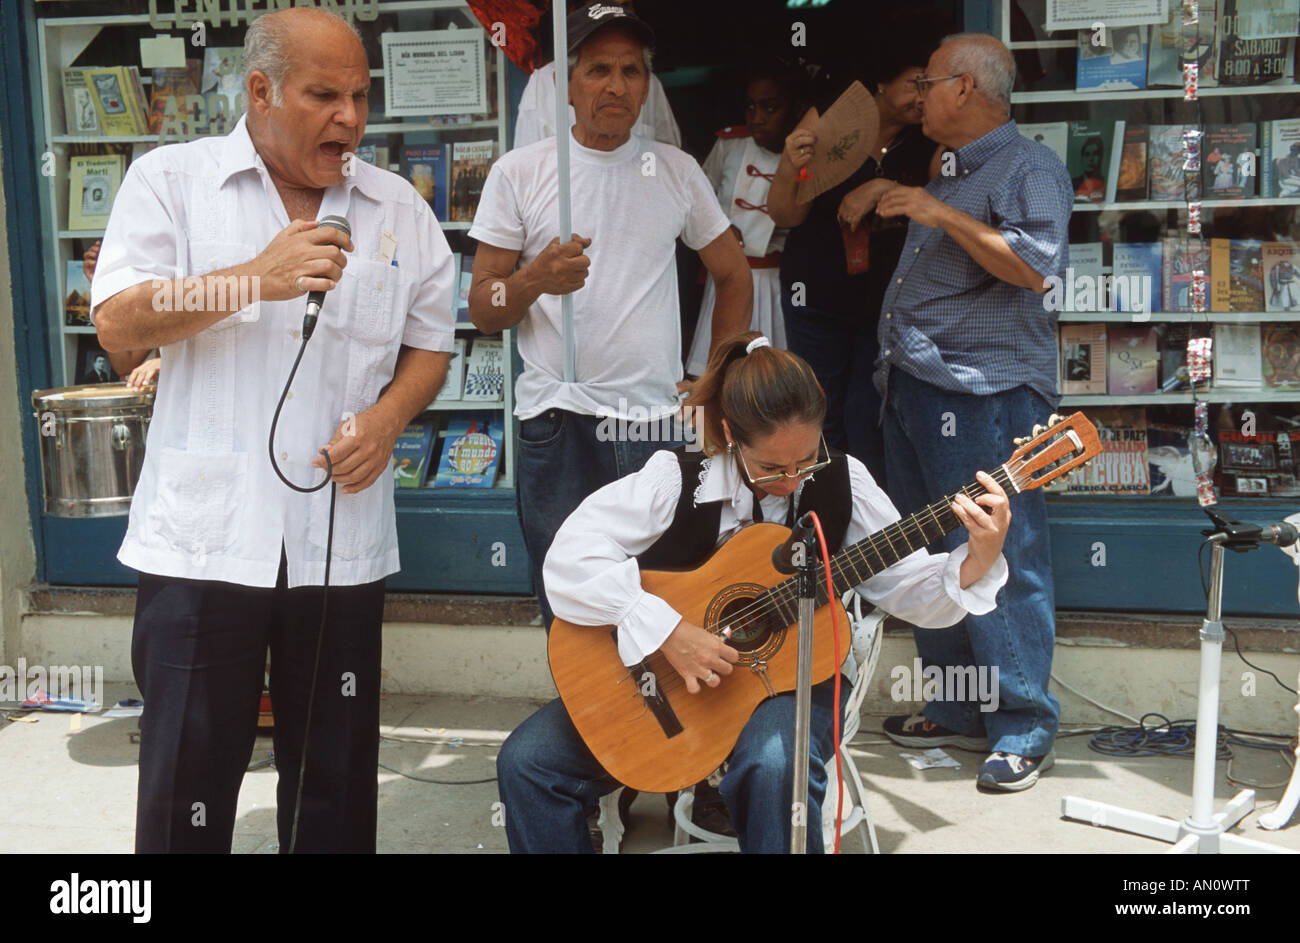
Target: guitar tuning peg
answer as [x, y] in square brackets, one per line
[1054, 419]
[1021, 440]
[1039, 429]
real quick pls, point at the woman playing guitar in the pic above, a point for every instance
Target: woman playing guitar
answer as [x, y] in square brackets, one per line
[759, 411]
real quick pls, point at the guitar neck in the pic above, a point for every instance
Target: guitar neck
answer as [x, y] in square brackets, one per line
[859, 562]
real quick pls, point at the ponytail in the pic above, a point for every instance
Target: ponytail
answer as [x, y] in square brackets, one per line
[756, 392]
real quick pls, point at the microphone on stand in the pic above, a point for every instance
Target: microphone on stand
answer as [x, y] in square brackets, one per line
[316, 299]
[802, 533]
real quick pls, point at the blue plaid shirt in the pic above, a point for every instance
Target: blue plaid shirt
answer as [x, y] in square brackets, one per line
[945, 319]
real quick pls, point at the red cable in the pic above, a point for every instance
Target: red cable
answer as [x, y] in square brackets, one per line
[835, 631]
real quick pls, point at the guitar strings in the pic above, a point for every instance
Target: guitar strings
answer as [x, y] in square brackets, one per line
[775, 597]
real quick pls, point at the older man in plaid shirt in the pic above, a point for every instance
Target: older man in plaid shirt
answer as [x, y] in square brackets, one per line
[967, 362]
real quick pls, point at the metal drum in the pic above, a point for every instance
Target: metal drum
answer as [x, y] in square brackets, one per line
[92, 446]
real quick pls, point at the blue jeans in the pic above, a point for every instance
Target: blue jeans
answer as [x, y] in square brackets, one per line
[841, 352]
[1018, 636]
[547, 778]
[560, 460]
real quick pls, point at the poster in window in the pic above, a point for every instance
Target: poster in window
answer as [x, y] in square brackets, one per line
[434, 72]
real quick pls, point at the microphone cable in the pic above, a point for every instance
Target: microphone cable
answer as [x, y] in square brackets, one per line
[329, 546]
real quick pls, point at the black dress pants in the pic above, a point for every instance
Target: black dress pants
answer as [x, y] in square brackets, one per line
[199, 654]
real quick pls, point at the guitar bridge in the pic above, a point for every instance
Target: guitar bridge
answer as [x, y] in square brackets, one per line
[760, 668]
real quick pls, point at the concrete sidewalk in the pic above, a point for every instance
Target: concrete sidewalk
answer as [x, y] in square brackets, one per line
[73, 790]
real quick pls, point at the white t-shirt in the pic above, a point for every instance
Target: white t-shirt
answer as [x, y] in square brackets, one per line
[536, 119]
[632, 202]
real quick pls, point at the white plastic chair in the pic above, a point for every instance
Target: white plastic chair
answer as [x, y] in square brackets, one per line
[866, 634]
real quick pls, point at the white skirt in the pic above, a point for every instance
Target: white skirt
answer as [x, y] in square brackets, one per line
[767, 316]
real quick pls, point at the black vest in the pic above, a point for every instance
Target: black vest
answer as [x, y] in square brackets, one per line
[693, 534]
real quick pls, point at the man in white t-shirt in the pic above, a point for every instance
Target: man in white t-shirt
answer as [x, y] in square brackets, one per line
[632, 198]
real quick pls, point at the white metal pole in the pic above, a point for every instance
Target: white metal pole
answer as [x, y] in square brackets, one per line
[1207, 704]
[560, 31]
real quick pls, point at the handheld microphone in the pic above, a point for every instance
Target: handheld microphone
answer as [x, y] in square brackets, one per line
[783, 557]
[316, 299]
[1283, 534]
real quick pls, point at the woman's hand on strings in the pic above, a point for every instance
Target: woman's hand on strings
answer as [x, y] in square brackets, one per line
[700, 657]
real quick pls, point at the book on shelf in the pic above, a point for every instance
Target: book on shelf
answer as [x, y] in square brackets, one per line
[1236, 275]
[1083, 359]
[374, 154]
[1054, 135]
[1253, 48]
[92, 184]
[1281, 356]
[425, 165]
[1261, 464]
[464, 281]
[1183, 257]
[1090, 144]
[470, 163]
[1132, 361]
[76, 295]
[1173, 338]
[471, 454]
[222, 87]
[92, 364]
[1112, 59]
[116, 95]
[79, 113]
[1131, 178]
[1172, 44]
[1121, 468]
[1168, 179]
[170, 96]
[1082, 288]
[1281, 267]
[1279, 170]
[1170, 464]
[1238, 360]
[455, 381]
[485, 371]
[1228, 161]
[1137, 277]
[411, 453]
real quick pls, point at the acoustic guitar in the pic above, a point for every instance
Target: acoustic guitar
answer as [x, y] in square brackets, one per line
[640, 722]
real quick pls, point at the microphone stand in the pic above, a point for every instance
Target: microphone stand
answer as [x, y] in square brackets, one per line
[807, 595]
[1203, 831]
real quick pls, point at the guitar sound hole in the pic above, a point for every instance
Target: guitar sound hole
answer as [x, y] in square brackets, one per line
[750, 629]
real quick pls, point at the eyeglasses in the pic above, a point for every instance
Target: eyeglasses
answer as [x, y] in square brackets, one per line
[923, 82]
[824, 459]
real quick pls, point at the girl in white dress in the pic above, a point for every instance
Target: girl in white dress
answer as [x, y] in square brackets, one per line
[740, 167]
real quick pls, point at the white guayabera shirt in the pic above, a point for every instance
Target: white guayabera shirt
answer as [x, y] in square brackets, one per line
[208, 504]
[592, 577]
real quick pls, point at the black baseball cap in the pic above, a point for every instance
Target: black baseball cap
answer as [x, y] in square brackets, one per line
[595, 16]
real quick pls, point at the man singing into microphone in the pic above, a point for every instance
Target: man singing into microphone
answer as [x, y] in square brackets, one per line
[232, 561]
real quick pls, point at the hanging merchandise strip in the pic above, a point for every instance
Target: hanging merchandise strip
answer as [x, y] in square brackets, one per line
[1204, 481]
[1198, 348]
[1191, 22]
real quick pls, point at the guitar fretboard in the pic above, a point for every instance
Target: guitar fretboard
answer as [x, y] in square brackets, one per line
[859, 562]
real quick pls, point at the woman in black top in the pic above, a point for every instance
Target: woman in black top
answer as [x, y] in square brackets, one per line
[830, 315]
